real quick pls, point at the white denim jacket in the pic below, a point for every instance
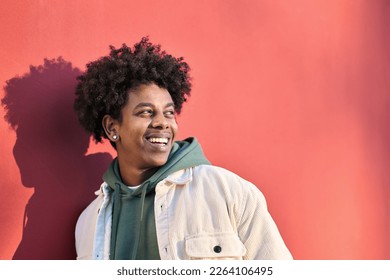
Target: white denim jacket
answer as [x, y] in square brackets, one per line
[204, 212]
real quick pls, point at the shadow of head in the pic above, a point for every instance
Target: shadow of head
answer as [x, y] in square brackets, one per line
[50, 152]
[39, 106]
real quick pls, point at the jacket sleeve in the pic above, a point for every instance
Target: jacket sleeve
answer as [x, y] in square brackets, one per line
[256, 228]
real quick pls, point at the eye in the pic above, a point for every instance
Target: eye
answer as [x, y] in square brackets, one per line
[145, 113]
[169, 114]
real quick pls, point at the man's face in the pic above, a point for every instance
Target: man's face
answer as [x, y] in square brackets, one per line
[148, 127]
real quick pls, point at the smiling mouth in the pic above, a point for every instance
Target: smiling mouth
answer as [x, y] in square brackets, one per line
[158, 141]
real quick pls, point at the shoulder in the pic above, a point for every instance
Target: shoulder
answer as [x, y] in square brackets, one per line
[211, 172]
[214, 171]
[93, 207]
[214, 176]
[90, 213]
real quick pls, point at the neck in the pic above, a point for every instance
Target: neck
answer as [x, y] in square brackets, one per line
[133, 176]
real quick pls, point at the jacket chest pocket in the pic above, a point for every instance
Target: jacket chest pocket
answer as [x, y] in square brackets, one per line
[214, 246]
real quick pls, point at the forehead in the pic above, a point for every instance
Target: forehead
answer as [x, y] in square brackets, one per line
[149, 93]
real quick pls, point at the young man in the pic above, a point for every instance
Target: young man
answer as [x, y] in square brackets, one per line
[161, 198]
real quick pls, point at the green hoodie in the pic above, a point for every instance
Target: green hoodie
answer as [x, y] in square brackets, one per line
[133, 234]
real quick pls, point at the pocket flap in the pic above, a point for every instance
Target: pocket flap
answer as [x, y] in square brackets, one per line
[215, 245]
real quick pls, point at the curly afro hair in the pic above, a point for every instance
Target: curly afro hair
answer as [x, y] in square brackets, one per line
[103, 88]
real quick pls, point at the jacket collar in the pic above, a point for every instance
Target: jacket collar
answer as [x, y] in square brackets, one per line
[180, 177]
[104, 189]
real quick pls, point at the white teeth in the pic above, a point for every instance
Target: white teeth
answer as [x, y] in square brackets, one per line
[158, 140]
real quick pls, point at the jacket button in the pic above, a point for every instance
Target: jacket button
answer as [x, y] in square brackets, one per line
[217, 249]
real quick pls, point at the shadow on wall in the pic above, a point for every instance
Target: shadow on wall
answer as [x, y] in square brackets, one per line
[50, 153]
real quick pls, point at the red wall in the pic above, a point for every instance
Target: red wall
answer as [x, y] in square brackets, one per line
[291, 95]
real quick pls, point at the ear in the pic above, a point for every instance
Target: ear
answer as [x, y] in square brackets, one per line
[110, 126]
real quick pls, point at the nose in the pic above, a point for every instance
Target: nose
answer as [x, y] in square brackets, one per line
[160, 122]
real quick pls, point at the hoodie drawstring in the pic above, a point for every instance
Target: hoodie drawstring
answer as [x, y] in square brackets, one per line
[115, 222]
[138, 231]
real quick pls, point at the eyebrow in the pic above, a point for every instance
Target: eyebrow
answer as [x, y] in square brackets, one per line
[146, 104]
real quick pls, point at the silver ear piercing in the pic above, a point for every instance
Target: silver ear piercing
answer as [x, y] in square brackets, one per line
[115, 137]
